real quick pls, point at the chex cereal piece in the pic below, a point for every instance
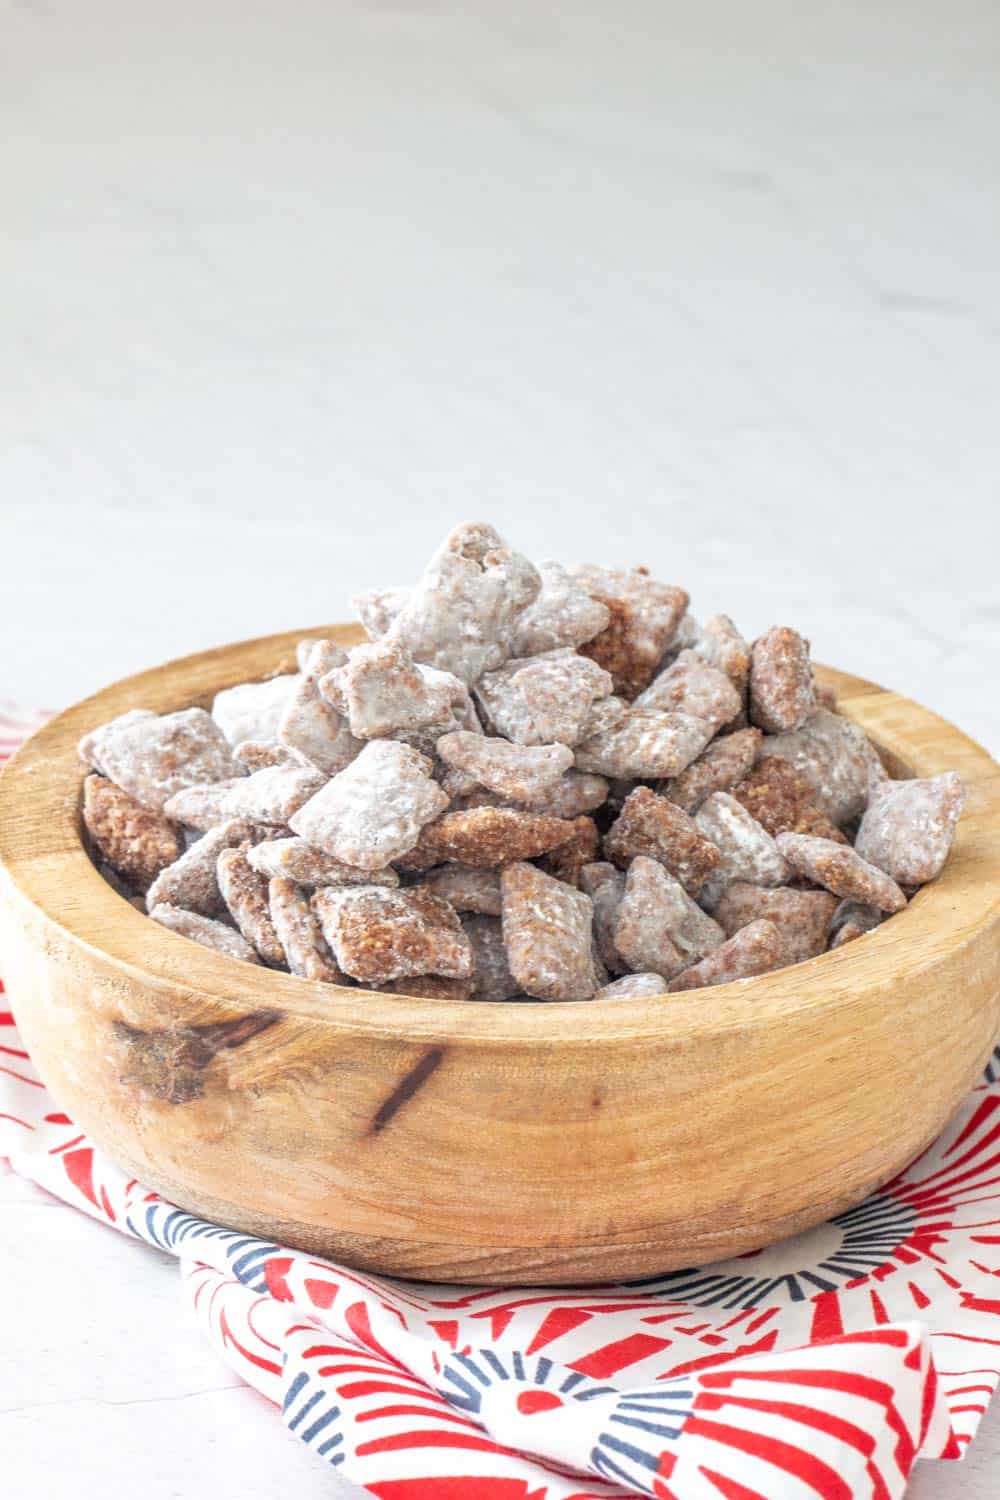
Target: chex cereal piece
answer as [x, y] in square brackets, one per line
[87, 748]
[645, 615]
[659, 927]
[835, 758]
[310, 726]
[299, 861]
[153, 756]
[466, 889]
[431, 987]
[253, 710]
[520, 773]
[491, 979]
[648, 744]
[378, 934]
[782, 801]
[200, 807]
[582, 848]
[645, 918]
[204, 930]
[603, 715]
[851, 920]
[564, 614]
[543, 700]
[136, 841]
[801, 917]
[605, 886]
[273, 794]
[632, 987]
[691, 685]
[841, 870]
[720, 643]
[191, 881]
[781, 681]
[576, 792]
[719, 768]
[373, 812]
[486, 836]
[255, 755]
[245, 893]
[650, 825]
[378, 609]
[383, 690]
[909, 826]
[297, 929]
[754, 949]
[748, 850]
[461, 615]
[547, 933]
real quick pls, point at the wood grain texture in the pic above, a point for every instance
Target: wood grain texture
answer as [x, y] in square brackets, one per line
[476, 1143]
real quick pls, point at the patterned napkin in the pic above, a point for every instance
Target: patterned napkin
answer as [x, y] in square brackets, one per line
[825, 1365]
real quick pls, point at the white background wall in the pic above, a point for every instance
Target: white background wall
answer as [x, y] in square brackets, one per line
[290, 288]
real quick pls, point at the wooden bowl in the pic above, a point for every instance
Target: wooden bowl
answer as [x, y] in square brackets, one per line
[484, 1143]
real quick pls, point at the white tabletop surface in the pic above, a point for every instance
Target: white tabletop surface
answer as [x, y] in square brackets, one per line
[289, 289]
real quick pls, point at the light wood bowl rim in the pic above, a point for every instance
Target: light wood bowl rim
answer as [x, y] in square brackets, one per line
[45, 859]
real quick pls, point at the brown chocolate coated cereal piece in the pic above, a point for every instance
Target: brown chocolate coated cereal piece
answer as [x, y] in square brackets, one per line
[491, 979]
[136, 841]
[373, 811]
[200, 807]
[547, 934]
[781, 681]
[801, 917]
[782, 801]
[255, 755]
[384, 690]
[841, 870]
[245, 893]
[605, 886]
[581, 848]
[720, 643]
[576, 792]
[273, 794]
[378, 609]
[748, 851]
[204, 930]
[691, 685]
[909, 826]
[647, 744]
[483, 836]
[851, 920]
[520, 773]
[645, 615]
[316, 732]
[378, 934]
[564, 614]
[298, 931]
[253, 710]
[543, 700]
[632, 987]
[719, 768]
[650, 825]
[658, 926]
[466, 889]
[754, 949]
[191, 881]
[152, 756]
[834, 756]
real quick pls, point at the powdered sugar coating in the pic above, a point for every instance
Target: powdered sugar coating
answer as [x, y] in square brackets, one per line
[781, 681]
[255, 755]
[191, 881]
[835, 758]
[200, 807]
[658, 926]
[720, 643]
[564, 614]
[754, 949]
[373, 811]
[719, 768]
[136, 841]
[378, 609]
[574, 793]
[801, 917]
[461, 615]
[378, 934]
[299, 861]
[748, 850]
[466, 889]
[297, 928]
[520, 773]
[691, 685]
[246, 896]
[647, 744]
[204, 930]
[909, 826]
[152, 756]
[543, 700]
[632, 987]
[253, 710]
[841, 870]
[651, 826]
[547, 933]
[273, 794]
[383, 690]
[312, 728]
[87, 747]
[645, 615]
